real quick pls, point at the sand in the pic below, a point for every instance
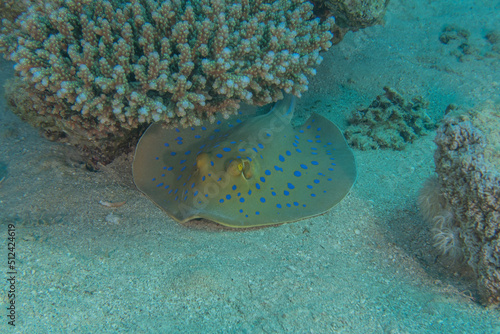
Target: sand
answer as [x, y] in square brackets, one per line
[366, 266]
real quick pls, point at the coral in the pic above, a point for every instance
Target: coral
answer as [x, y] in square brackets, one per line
[351, 15]
[468, 169]
[436, 211]
[389, 122]
[458, 40]
[11, 9]
[103, 69]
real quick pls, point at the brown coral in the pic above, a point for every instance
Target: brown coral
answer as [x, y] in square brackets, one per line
[389, 122]
[467, 165]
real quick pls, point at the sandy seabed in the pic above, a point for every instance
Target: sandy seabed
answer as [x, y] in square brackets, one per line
[366, 266]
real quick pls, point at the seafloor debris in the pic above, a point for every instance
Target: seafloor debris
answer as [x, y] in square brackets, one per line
[390, 121]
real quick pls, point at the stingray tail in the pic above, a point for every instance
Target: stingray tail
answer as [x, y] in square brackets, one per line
[285, 107]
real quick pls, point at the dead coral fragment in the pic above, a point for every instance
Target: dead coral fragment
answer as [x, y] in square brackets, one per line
[102, 69]
[389, 122]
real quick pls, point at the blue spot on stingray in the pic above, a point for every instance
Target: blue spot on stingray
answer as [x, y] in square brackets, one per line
[286, 192]
[163, 175]
[182, 161]
[309, 141]
[241, 150]
[218, 155]
[241, 211]
[192, 186]
[238, 194]
[203, 128]
[330, 179]
[197, 136]
[296, 137]
[203, 178]
[173, 153]
[257, 213]
[298, 150]
[179, 177]
[309, 186]
[233, 187]
[316, 181]
[267, 172]
[218, 122]
[233, 142]
[157, 158]
[303, 166]
[288, 153]
[282, 159]
[273, 193]
[242, 199]
[297, 173]
[187, 152]
[314, 163]
[318, 129]
[183, 168]
[177, 130]
[253, 148]
[288, 205]
[226, 149]
[278, 206]
[295, 144]
[313, 195]
[308, 127]
[290, 186]
[167, 186]
[295, 203]
[263, 200]
[330, 169]
[167, 144]
[257, 186]
[249, 192]
[195, 193]
[211, 163]
[260, 146]
[262, 179]
[161, 184]
[268, 134]
[246, 216]
[278, 168]
[301, 131]
[228, 197]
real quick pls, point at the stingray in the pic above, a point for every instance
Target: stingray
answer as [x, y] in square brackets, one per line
[244, 173]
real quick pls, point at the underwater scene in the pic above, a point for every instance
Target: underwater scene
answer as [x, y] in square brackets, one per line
[250, 166]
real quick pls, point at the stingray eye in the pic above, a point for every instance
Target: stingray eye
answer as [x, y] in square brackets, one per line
[202, 160]
[234, 168]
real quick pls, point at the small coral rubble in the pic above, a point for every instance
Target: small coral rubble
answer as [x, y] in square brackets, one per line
[103, 68]
[468, 167]
[389, 122]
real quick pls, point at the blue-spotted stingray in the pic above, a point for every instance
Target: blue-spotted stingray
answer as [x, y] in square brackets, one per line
[259, 171]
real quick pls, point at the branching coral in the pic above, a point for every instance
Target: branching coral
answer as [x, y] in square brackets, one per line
[389, 122]
[103, 68]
